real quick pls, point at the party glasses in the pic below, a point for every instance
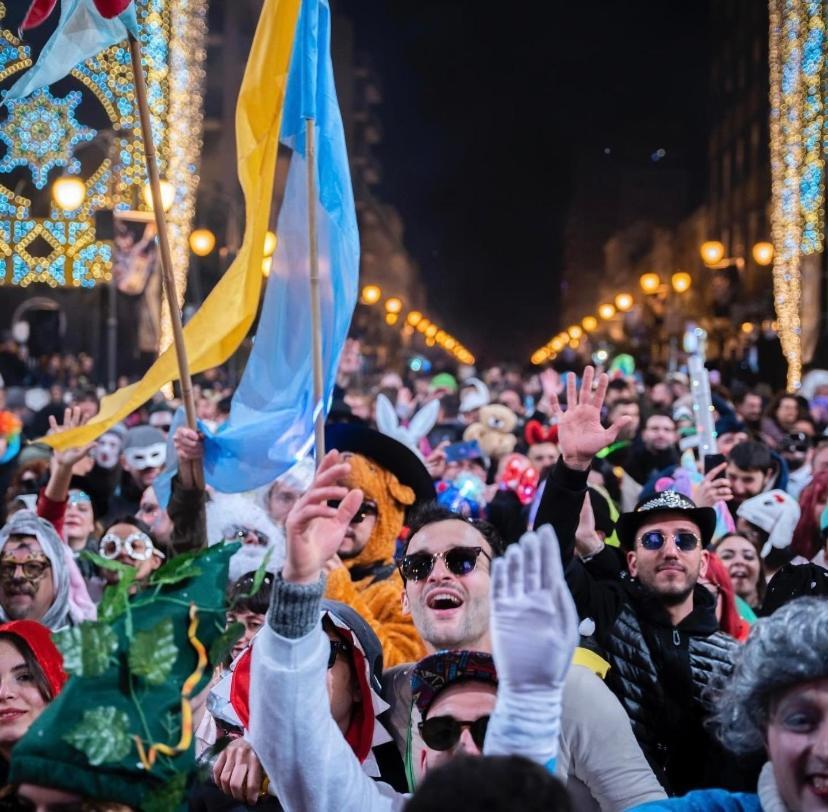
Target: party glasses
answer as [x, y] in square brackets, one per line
[655, 540]
[458, 560]
[365, 509]
[138, 546]
[443, 732]
[33, 567]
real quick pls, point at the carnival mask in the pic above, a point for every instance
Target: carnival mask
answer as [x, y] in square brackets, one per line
[151, 456]
[108, 450]
[23, 565]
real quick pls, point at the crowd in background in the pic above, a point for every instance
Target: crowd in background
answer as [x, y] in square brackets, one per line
[538, 567]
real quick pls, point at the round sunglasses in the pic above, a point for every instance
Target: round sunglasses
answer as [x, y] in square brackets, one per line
[656, 539]
[458, 560]
[443, 732]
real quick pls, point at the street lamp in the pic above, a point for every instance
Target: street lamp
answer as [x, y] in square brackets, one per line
[202, 242]
[763, 253]
[650, 282]
[589, 323]
[167, 195]
[371, 294]
[606, 311]
[391, 318]
[681, 281]
[575, 331]
[712, 252]
[414, 318]
[68, 193]
[393, 305]
[623, 302]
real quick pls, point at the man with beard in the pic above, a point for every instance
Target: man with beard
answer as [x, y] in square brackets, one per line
[750, 469]
[655, 449]
[363, 574]
[656, 623]
[34, 581]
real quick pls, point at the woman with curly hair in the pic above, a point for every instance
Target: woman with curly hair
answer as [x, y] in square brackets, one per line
[776, 701]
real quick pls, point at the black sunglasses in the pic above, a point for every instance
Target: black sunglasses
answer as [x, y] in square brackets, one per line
[656, 539]
[443, 732]
[458, 560]
[365, 509]
[337, 648]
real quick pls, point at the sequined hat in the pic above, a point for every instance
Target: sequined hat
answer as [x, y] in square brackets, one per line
[665, 502]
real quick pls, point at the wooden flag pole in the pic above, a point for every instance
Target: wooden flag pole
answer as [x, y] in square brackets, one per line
[197, 472]
[316, 315]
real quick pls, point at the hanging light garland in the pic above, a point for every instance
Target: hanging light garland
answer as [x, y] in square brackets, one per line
[797, 134]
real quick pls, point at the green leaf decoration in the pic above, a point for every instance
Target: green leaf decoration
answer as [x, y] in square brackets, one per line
[116, 597]
[223, 644]
[87, 649]
[168, 797]
[177, 569]
[152, 654]
[261, 571]
[102, 734]
[105, 563]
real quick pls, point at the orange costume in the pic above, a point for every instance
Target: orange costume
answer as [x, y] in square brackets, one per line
[370, 582]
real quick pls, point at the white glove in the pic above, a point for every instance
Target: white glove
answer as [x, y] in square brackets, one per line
[534, 627]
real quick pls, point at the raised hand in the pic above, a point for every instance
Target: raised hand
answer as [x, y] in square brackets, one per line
[315, 530]
[72, 419]
[189, 444]
[580, 433]
[715, 487]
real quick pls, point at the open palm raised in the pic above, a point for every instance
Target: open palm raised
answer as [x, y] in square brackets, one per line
[314, 528]
[580, 433]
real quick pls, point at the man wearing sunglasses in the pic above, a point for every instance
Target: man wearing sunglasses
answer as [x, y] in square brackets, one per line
[656, 623]
[309, 764]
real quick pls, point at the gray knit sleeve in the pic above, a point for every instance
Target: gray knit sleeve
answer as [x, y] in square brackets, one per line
[294, 608]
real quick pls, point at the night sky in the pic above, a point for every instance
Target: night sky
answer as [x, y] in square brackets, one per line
[485, 115]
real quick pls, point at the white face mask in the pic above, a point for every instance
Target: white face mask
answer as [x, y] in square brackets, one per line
[108, 450]
[151, 456]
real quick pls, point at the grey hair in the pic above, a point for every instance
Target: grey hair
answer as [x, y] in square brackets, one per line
[783, 650]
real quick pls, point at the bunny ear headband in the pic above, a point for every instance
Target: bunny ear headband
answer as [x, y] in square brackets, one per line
[535, 433]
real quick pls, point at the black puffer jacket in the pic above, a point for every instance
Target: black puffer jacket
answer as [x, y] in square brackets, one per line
[661, 673]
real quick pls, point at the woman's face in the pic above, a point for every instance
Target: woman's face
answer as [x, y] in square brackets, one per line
[79, 522]
[797, 744]
[739, 556]
[145, 567]
[20, 699]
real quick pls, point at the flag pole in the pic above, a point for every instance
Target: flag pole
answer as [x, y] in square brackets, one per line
[316, 316]
[196, 471]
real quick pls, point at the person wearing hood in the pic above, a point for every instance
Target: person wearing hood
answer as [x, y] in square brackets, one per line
[354, 680]
[31, 676]
[281, 495]
[143, 457]
[364, 574]
[34, 578]
[657, 623]
[769, 521]
[236, 517]
[776, 703]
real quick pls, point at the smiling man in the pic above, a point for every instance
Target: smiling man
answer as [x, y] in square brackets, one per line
[656, 623]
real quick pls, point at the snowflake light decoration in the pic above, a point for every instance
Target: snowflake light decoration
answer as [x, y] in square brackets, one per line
[41, 132]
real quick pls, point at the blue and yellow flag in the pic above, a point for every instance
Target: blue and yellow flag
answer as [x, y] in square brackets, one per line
[272, 414]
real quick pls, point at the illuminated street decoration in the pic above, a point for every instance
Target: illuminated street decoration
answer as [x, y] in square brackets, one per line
[173, 34]
[41, 132]
[797, 136]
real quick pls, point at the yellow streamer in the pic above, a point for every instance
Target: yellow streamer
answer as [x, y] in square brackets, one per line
[222, 322]
[148, 757]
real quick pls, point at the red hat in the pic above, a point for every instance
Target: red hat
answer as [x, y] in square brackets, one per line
[39, 640]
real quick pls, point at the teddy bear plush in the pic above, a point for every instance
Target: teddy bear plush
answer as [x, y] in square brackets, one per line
[494, 431]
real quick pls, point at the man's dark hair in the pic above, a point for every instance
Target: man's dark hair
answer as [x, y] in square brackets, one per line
[617, 384]
[659, 413]
[431, 513]
[751, 456]
[622, 402]
[493, 783]
[239, 598]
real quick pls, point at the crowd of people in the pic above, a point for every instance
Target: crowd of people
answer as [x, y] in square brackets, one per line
[504, 589]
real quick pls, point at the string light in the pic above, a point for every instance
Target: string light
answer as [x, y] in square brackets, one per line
[173, 36]
[796, 56]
